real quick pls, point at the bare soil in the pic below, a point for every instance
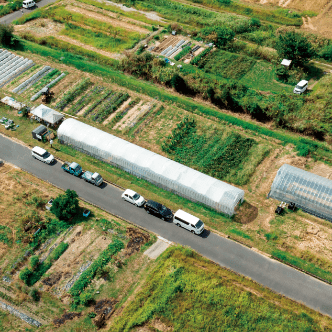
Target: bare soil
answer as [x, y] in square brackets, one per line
[137, 239]
[132, 113]
[119, 110]
[65, 317]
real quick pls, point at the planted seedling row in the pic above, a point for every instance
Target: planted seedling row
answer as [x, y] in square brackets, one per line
[98, 112]
[45, 80]
[97, 103]
[71, 95]
[120, 115]
[86, 99]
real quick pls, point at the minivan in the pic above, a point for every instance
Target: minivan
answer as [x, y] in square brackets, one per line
[188, 221]
[301, 87]
[42, 155]
[28, 4]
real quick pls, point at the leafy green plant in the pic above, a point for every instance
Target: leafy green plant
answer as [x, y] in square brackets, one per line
[200, 56]
[71, 95]
[184, 52]
[5, 235]
[65, 206]
[35, 294]
[86, 99]
[34, 262]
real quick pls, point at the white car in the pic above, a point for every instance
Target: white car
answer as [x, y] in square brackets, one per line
[42, 155]
[133, 197]
[301, 87]
[28, 4]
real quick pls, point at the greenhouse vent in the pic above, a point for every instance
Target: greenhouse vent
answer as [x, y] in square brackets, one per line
[310, 192]
[151, 166]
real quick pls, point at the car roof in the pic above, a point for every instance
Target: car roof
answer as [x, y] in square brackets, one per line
[94, 175]
[130, 192]
[39, 150]
[302, 83]
[186, 216]
[154, 203]
[74, 165]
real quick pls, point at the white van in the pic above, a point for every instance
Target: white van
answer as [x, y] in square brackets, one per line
[188, 221]
[301, 87]
[42, 155]
[28, 4]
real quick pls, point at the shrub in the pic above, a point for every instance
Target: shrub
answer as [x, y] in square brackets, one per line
[35, 294]
[184, 52]
[65, 206]
[271, 236]
[34, 262]
[86, 298]
[7, 38]
[25, 275]
[219, 35]
[303, 150]
[326, 53]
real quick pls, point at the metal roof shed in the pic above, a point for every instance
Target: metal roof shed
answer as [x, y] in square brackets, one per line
[151, 166]
[47, 114]
[310, 192]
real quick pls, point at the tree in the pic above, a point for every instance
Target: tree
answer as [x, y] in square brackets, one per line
[326, 53]
[7, 37]
[220, 35]
[294, 46]
[65, 206]
[34, 262]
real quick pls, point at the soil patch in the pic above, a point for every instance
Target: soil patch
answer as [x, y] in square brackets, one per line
[66, 316]
[53, 279]
[137, 239]
[104, 309]
[246, 213]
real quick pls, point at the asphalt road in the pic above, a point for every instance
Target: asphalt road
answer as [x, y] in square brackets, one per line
[19, 13]
[278, 277]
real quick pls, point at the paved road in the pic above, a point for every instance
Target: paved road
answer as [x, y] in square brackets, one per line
[265, 271]
[19, 13]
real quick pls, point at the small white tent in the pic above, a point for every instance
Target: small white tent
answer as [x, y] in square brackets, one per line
[47, 114]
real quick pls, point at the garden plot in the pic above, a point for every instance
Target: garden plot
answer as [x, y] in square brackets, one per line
[168, 44]
[134, 115]
[124, 108]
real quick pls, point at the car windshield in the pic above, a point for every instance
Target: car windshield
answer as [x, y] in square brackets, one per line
[46, 155]
[299, 87]
[199, 224]
[77, 168]
[98, 177]
[163, 209]
[136, 197]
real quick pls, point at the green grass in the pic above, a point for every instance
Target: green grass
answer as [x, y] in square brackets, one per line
[240, 233]
[5, 235]
[302, 264]
[187, 293]
[100, 40]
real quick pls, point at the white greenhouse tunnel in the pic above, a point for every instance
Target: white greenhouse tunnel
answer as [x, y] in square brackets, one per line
[162, 171]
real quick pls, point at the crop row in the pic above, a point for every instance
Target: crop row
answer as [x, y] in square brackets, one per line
[71, 95]
[110, 106]
[120, 115]
[197, 58]
[86, 99]
[97, 102]
[45, 79]
[184, 52]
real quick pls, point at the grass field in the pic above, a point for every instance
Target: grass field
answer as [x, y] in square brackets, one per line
[187, 293]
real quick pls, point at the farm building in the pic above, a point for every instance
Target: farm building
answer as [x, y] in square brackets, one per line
[151, 166]
[46, 114]
[310, 192]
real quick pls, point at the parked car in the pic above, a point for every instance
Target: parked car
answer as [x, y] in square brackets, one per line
[188, 221]
[72, 168]
[158, 210]
[42, 155]
[28, 4]
[301, 87]
[133, 197]
[94, 178]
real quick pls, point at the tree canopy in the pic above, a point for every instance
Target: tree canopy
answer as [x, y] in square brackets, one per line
[7, 37]
[294, 46]
[65, 206]
[220, 35]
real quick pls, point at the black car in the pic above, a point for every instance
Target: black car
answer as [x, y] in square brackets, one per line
[158, 210]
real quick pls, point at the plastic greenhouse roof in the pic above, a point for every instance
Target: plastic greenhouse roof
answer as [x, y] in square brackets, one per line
[151, 166]
[310, 192]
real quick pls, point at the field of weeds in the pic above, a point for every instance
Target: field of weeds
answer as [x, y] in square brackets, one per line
[59, 255]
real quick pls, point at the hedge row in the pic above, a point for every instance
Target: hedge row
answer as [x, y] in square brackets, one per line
[87, 276]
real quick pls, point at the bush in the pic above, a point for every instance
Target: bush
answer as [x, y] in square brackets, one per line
[35, 294]
[7, 38]
[65, 206]
[271, 236]
[282, 73]
[34, 262]
[219, 35]
[326, 53]
[25, 275]
[303, 150]
[86, 298]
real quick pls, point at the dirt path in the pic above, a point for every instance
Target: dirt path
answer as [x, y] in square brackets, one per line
[131, 114]
[115, 22]
[150, 15]
[307, 24]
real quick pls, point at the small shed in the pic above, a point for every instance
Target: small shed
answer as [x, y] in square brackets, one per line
[48, 115]
[286, 63]
[173, 32]
[39, 132]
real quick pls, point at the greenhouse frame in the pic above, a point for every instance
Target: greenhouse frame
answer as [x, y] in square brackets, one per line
[310, 192]
[145, 164]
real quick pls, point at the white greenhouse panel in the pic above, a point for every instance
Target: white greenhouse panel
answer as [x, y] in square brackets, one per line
[151, 166]
[310, 192]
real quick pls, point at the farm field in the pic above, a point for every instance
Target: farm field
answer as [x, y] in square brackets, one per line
[65, 251]
[155, 125]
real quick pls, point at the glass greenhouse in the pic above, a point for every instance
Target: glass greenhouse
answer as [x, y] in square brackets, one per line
[310, 192]
[151, 166]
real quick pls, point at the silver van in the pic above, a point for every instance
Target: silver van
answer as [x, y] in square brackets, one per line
[28, 4]
[42, 155]
[188, 221]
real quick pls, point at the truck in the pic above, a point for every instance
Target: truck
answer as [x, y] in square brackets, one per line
[93, 178]
[72, 168]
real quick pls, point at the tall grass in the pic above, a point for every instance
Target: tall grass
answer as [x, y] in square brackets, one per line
[189, 294]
